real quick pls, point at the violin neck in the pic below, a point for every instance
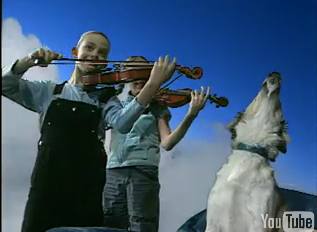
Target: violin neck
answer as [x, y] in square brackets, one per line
[176, 92]
[182, 93]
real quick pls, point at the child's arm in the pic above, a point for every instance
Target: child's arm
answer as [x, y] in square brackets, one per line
[119, 117]
[29, 94]
[123, 118]
[170, 139]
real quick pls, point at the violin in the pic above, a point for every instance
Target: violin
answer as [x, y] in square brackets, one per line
[116, 77]
[141, 71]
[180, 97]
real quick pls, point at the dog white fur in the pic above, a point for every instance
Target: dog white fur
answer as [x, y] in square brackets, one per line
[245, 187]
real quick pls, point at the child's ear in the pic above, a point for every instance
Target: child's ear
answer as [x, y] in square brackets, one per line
[74, 52]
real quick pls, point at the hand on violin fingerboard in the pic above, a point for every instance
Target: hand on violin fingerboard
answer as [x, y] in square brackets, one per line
[198, 101]
[162, 70]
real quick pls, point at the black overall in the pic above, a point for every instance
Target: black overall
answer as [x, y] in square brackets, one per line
[69, 174]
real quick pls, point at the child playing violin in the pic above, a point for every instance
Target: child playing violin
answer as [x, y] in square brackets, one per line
[69, 173]
[131, 195]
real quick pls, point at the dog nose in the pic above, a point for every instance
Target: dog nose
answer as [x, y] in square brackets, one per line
[274, 77]
[275, 74]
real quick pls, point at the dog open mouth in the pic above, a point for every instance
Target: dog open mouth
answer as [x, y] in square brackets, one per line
[272, 83]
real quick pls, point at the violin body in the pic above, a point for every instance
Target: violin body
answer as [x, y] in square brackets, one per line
[173, 99]
[117, 77]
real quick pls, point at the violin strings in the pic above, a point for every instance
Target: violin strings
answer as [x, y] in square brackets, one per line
[168, 84]
[171, 82]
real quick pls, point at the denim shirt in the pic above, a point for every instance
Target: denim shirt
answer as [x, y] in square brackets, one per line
[37, 96]
[141, 146]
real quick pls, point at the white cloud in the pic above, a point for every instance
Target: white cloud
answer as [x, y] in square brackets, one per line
[19, 128]
[16, 45]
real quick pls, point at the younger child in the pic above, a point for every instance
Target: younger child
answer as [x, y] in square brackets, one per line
[131, 195]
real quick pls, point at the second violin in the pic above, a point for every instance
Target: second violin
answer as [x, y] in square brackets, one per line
[180, 97]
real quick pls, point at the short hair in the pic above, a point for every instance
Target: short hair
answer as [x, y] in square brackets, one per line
[92, 32]
[133, 58]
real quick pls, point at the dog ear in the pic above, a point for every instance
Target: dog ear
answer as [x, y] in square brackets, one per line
[231, 125]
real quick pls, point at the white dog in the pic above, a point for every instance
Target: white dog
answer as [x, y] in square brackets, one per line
[245, 187]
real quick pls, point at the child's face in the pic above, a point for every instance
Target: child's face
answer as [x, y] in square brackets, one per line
[137, 86]
[94, 47]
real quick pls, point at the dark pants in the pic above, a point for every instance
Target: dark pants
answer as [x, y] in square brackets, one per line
[69, 174]
[131, 198]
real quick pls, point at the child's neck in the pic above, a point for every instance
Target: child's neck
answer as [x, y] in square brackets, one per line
[76, 77]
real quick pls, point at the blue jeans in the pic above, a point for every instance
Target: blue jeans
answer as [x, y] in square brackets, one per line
[131, 198]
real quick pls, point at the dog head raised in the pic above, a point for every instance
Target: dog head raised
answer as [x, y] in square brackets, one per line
[261, 124]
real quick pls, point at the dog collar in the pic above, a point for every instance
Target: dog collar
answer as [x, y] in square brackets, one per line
[262, 151]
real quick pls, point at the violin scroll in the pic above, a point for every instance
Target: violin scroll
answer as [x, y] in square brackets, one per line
[195, 73]
[219, 101]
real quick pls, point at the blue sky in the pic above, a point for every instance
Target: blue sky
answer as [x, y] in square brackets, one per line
[235, 42]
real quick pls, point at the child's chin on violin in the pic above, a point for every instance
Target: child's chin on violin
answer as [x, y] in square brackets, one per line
[136, 87]
[91, 68]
